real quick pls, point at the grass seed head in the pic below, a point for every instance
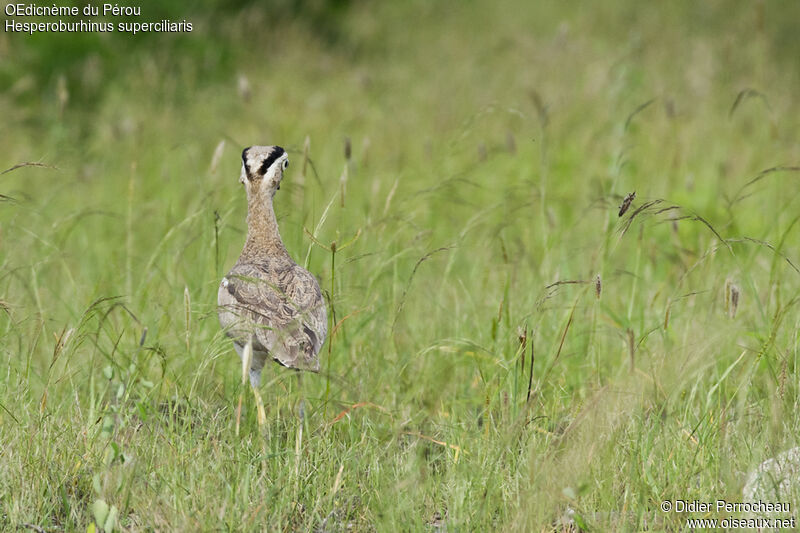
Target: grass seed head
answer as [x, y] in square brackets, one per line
[62, 92]
[626, 203]
[217, 157]
[731, 298]
[243, 85]
[734, 290]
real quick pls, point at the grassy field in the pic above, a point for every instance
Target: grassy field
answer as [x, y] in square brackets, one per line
[504, 346]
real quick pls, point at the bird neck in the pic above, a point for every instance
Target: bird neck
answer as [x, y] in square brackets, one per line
[262, 228]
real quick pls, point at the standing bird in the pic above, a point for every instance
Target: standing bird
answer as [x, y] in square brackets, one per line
[268, 304]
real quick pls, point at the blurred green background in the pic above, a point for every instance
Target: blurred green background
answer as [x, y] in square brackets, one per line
[468, 159]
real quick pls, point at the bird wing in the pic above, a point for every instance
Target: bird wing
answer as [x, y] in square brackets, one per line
[280, 306]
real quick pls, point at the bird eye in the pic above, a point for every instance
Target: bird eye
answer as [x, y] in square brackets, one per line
[285, 164]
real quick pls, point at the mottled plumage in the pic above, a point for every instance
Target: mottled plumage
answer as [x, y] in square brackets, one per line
[267, 298]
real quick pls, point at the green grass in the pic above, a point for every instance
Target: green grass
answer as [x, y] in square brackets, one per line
[491, 148]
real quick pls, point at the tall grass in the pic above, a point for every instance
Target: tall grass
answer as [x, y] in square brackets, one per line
[505, 348]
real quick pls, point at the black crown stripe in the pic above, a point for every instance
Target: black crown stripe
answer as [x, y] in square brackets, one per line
[275, 154]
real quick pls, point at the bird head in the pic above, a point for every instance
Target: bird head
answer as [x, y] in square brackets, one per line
[262, 168]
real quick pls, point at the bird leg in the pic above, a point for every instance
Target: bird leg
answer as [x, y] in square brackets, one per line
[256, 364]
[298, 443]
[301, 408]
[246, 354]
[262, 415]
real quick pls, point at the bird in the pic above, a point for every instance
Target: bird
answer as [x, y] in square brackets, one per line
[270, 306]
